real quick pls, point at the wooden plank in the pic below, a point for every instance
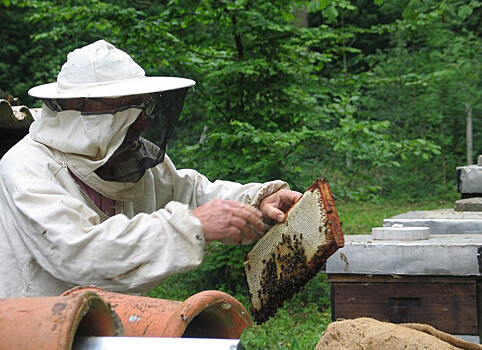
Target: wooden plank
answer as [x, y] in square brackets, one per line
[14, 117]
[449, 307]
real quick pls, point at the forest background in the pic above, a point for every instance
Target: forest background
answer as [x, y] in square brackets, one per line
[373, 94]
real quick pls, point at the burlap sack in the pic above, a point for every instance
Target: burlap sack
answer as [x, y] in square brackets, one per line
[370, 334]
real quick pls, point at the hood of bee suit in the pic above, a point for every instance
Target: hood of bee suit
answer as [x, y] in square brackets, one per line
[87, 141]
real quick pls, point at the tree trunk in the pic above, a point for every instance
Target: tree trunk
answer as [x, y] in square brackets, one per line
[301, 16]
[468, 109]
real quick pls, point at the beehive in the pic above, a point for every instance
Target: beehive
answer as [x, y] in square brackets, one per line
[292, 252]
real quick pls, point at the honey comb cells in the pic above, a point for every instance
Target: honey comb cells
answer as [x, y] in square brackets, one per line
[293, 252]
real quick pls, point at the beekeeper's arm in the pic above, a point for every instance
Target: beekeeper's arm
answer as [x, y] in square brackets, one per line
[224, 220]
[229, 212]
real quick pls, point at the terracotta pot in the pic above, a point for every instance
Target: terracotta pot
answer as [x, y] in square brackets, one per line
[209, 314]
[52, 323]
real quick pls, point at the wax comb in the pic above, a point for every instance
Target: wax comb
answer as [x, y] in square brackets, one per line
[293, 252]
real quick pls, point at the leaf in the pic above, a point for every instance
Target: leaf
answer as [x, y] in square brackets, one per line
[465, 11]
[410, 12]
[322, 4]
[331, 13]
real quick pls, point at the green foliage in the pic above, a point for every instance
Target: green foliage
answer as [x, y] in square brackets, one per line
[424, 82]
[276, 100]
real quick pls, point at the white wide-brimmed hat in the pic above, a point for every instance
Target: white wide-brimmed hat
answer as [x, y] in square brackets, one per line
[102, 70]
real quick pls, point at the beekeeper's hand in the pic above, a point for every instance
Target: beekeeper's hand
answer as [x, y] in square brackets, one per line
[225, 219]
[275, 205]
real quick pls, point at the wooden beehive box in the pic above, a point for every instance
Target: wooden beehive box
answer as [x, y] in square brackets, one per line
[435, 281]
[449, 304]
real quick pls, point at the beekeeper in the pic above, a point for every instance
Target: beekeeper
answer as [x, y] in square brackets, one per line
[86, 201]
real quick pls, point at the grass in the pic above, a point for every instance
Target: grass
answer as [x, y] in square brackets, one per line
[300, 323]
[360, 217]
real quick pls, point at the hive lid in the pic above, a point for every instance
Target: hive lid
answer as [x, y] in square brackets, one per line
[292, 252]
[439, 255]
[400, 233]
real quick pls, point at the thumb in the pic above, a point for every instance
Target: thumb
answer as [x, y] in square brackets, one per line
[274, 213]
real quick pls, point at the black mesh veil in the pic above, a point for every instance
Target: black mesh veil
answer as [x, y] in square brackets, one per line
[144, 154]
[168, 107]
[166, 114]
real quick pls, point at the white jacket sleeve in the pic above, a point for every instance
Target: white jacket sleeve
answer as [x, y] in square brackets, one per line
[46, 222]
[195, 189]
[191, 187]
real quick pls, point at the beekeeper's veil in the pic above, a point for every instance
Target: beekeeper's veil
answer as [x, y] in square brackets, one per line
[88, 139]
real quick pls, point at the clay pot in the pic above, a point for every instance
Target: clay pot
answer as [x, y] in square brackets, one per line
[209, 314]
[52, 323]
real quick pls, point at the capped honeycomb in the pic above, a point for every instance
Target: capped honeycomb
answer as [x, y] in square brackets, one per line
[291, 253]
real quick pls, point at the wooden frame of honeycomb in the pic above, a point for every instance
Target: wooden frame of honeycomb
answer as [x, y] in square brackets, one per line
[293, 252]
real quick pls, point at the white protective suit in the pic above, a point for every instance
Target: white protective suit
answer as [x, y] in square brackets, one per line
[52, 237]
